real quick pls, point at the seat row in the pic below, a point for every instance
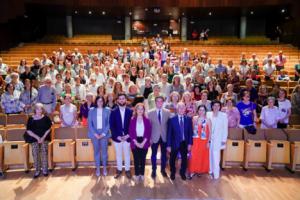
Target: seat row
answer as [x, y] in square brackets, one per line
[267, 148]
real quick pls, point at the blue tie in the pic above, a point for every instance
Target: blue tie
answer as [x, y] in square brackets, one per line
[182, 127]
[159, 117]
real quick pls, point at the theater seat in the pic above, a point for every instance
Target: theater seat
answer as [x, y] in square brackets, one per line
[233, 154]
[62, 148]
[294, 139]
[278, 148]
[16, 120]
[3, 120]
[255, 149]
[15, 149]
[84, 146]
[2, 134]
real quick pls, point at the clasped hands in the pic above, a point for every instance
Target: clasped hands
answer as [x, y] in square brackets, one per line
[99, 136]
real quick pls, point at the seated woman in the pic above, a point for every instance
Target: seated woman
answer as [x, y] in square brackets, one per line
[284, 106]
[10, 102]
[140, 133]
[38, 134]
[68, 112]
[85, 107]
[28, 96]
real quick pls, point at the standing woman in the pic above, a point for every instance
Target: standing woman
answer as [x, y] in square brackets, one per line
[98, 123]
[28, 97]
[284, 106]
[85, 108]
[38, 134]
[140, 133]
[232, 112]
[199, 159]
[68, 112]
[218, 137]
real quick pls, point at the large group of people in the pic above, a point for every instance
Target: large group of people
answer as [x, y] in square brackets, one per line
[182, 103]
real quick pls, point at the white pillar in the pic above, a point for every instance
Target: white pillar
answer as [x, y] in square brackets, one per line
[183, 29]
[127, 28]
[69, 26]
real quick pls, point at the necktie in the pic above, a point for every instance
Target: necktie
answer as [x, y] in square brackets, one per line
[182, 127]
[159, 117]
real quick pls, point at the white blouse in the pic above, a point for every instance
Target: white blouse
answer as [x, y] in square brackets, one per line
[140, 129]
[99, 118]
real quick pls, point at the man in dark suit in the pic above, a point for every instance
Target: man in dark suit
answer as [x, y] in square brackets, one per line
[179, 139]
[119, 125]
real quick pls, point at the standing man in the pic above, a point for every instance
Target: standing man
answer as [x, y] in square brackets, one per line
[218, 137]
[47, 96]
[179, 139]
[159, 121]
[119, 125]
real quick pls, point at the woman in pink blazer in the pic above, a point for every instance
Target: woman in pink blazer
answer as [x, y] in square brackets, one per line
[140, 133]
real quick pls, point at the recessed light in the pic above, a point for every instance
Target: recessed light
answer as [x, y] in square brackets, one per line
[76, 12]
[130, 13]
[25, 16]
[192, 22]
[154, 24]
[210, 13]
[170, 13]
[103, 12]
[251, 12]
[119, 22]
[183, 13]
[283, 10]
[146, 9]
[90, 12]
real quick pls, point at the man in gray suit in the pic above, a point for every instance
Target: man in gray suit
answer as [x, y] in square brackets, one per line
[159, 121]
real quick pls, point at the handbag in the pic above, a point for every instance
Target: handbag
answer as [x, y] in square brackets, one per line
[251, 129]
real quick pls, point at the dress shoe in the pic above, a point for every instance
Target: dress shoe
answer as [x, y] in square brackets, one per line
[128, 174]
[98, 172]
[1, 174]
[142, 178]
[36, 174]
[172, 176]
[104, 171]
[118, 174]
[183, 177]
[153, 174]
[164, 174]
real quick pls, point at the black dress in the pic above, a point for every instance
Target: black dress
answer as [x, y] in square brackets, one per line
[38, 127]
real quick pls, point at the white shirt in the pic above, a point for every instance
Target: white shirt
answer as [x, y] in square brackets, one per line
[269, 69]
[68, 113]
[122, 111]
[140, 128]
[99, 118]
[284, 107]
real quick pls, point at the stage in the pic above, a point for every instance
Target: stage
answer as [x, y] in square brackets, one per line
[83, 184]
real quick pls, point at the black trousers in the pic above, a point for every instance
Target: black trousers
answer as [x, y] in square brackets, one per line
[139, 159]
[183, 152]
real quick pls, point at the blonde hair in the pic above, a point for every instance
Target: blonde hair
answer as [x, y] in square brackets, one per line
[37, 106]
[135, 109]
[186, 94]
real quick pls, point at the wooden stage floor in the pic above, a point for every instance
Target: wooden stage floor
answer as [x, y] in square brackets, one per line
[83, 184]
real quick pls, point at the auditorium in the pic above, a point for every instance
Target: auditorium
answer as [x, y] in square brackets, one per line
[150, 100]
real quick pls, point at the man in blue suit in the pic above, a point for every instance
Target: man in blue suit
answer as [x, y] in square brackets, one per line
[119, 125]
[179, 139]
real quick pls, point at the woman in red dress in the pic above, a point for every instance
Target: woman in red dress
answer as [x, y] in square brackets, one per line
[199, 157]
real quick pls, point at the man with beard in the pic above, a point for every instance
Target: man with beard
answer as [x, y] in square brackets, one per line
[119, 125]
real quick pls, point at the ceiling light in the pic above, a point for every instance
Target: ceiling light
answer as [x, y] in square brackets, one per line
[251, 12]
[130, 13]
[210, 13]
[90, 12]
[76, 12]
[283, 11]
[103, 12]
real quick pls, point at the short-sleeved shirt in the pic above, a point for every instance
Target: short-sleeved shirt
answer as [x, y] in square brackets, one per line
[39, 127]
[246, 112]
[283, 107]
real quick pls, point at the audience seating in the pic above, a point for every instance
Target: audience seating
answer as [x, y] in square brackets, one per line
[294, 139]
[2, 134]
[3, 119]
[234, 152]
[16, 120]
[15, 149]
[255, 149]
[62, 148]
[278, 148]
[294, 120]
[84, 146]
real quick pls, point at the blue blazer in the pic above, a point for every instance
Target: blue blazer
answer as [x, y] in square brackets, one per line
[116, 123]
[92, 123]
[174, 135]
